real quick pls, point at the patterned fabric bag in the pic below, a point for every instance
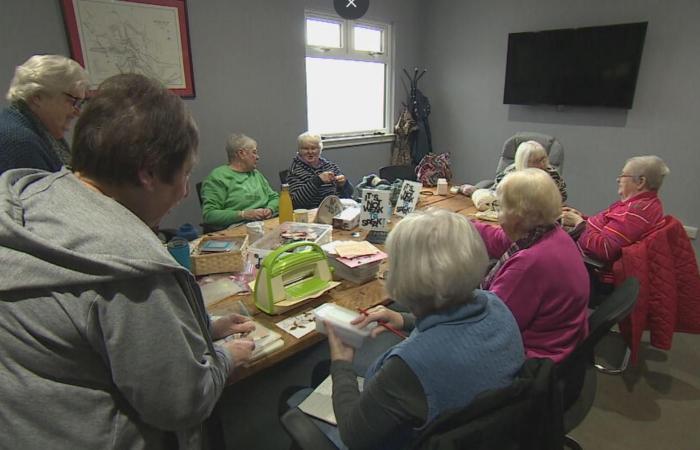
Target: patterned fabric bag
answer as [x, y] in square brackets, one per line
[432, 167]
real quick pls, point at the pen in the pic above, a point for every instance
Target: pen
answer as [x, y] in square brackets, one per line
[383, 324]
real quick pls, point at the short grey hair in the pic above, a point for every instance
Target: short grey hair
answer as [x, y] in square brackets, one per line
[651, 167]
[436, 259]
[525, 151]
[531, 195]
[51, 74]
[238, 141]
[309, 137]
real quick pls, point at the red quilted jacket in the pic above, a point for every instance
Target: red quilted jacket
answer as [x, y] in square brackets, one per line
[669, 291]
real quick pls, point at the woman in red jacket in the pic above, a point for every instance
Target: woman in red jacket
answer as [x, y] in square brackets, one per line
[638, 212]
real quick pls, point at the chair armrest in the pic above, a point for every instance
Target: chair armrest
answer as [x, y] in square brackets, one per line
[304, 432]
[484, 184]
[593, 262]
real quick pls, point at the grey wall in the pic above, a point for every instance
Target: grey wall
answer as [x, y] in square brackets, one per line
[248, 59]
[468, 42]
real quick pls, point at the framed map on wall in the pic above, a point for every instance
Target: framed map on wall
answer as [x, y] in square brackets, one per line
[149, 37]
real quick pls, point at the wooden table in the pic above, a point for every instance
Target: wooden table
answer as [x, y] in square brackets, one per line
[348, 294]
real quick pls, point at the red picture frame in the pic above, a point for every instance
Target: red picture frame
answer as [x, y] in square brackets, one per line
[80, 22]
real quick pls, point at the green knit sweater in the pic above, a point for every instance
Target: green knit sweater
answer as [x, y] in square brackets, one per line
[227, 193]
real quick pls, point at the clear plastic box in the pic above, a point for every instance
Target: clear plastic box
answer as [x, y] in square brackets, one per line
[317, 233]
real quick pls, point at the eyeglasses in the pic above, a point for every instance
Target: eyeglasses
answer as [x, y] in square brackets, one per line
[627, 176]
[77, 102]
[310, 149]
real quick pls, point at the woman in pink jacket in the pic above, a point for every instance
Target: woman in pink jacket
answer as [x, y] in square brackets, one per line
[540, 274]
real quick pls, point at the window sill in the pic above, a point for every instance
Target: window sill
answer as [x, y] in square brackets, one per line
[353, 141]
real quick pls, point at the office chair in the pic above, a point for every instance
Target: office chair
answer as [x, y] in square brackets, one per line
[205, 228]
[523, 416]
[391, 173]
[555, 153]
[576, 375]
[283, 176]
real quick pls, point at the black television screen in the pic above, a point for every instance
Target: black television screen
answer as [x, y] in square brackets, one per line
[593, 66]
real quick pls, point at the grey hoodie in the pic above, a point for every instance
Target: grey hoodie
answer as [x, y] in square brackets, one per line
[104, 340]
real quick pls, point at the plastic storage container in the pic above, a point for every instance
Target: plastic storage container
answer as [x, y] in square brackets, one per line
[290, 232]
[340, 319]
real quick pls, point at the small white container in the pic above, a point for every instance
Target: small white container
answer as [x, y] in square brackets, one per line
[273, 239]
[340, 319]
[442, 187]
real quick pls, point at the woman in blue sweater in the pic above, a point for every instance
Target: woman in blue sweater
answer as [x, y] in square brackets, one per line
[45, 96]
[463, 340]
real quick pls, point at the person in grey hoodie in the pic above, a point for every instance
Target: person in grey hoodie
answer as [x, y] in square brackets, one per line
[104, 339]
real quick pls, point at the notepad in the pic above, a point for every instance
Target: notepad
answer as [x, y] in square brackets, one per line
[217, 246]
[319, 403]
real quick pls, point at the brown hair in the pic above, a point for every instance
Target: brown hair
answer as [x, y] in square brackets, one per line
[133, 122]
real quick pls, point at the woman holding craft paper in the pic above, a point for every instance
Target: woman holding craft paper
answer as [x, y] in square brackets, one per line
[418, 379]
[106, 341]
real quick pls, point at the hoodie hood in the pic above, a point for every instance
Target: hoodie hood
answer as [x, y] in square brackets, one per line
[55, 233]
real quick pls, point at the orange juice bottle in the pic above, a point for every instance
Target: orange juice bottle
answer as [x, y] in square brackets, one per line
[286, 208]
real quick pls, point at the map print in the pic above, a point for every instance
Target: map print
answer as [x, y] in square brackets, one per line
[121, 37]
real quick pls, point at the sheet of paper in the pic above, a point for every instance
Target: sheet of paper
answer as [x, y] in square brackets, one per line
[266, 340]
[300, 325]
[319, 403]
[351, 249]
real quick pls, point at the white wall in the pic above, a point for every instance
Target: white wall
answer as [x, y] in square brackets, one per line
[467, 57]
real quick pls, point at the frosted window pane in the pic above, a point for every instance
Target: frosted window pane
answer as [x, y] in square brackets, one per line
[367, 39]
[344, 96]
[322, 34]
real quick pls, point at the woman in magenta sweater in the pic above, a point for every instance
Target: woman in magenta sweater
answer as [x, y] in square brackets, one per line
[540, 274]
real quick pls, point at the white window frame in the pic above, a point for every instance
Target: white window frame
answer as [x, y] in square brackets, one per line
[345, 52]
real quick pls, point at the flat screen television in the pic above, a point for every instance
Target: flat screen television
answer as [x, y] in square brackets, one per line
[592, 66]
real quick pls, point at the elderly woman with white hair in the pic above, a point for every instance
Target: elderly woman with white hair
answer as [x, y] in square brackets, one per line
[311, 177]
[638, 213]
[533, 154]
[463, 341]
[539, 274]
[45, 95]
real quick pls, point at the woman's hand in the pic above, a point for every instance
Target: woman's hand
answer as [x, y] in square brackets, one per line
[380, 314]
[339, 351]
[327, 177]
[570, 218]
[256, 214]
[241, 350]
[228, 325]
[340, 179]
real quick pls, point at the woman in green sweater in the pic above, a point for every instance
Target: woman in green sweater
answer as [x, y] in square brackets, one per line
[237, 191]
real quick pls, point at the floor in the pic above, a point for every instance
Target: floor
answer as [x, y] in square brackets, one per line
[655, 405]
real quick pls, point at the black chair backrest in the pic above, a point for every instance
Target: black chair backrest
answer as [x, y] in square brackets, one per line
[391, 173]
[283, 176]
[198, 187]
[524, 415]
[615, 307]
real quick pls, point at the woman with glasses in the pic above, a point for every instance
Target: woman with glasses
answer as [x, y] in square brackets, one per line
[45, 95]
[533, 154]
[638, 212]
[311, 177]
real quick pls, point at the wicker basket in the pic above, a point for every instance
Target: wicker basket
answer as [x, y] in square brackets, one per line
[233, 261]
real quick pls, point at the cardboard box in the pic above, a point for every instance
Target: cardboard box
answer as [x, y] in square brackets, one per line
[348, 219]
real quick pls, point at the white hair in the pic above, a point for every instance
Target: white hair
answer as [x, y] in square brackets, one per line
[651, 167]
[531, 195]
[525, 151]
[51, 74]
[436, 259]
[308, 137]
[238, 141]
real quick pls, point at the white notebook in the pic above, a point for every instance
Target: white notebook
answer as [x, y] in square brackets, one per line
[319, 403]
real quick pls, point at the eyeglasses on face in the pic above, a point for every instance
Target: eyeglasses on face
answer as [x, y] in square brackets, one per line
[76, 102]
[310, 149]
[627, 176]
